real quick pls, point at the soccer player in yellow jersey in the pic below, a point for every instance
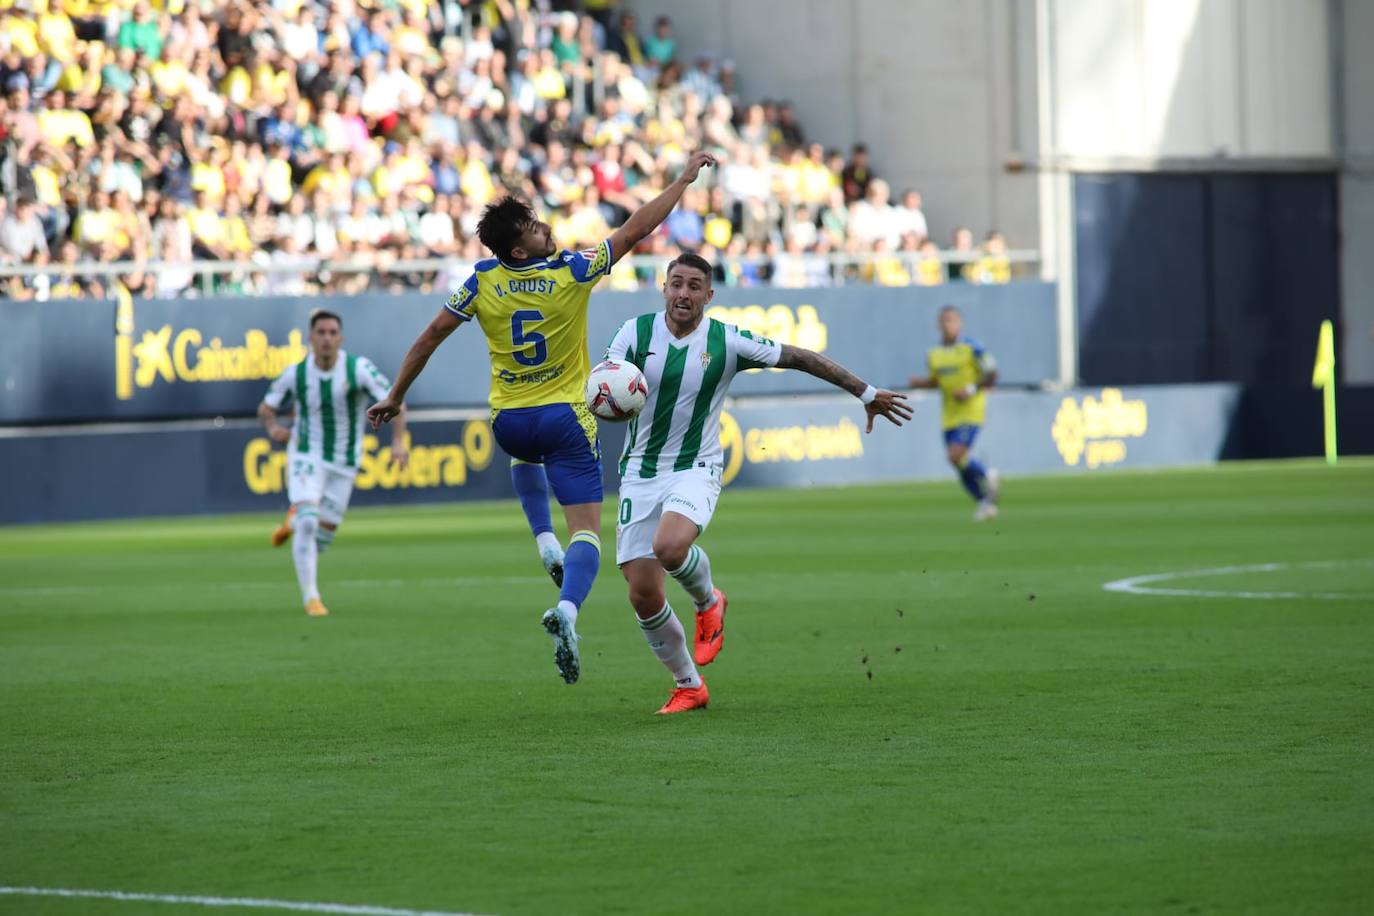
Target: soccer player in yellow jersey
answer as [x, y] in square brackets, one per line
[963, 371]
[531, 302]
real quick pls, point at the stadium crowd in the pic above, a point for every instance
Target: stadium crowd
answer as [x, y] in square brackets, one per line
[374, 131]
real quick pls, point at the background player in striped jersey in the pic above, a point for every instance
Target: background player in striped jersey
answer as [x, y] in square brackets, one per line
[671, 468]
[531, 303]
[963, 371]
[329, 391]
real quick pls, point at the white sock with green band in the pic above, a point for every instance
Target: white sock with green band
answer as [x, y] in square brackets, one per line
[305, 551]
[668, 641]
[695, 576]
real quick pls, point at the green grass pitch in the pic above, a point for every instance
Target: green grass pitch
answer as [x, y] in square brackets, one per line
[1027, 742]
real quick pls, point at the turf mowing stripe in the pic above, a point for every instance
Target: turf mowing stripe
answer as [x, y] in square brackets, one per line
[252, 903]
[39, 591]
[42, 590]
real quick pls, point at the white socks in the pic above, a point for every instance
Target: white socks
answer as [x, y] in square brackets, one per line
[305, 551]
[547, 542]
[695, 576]
[669, 644]
[567, 607]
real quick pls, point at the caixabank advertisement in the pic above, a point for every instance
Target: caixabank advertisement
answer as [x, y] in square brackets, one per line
[769, 441]
[99, 361]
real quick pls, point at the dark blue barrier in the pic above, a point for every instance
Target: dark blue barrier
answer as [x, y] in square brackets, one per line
[157, 471]
[1204, 278]
[89, 361]
[1274, 422]
[794, 441]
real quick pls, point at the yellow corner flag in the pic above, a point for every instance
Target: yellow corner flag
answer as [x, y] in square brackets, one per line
[124, 342]
[1324, 377]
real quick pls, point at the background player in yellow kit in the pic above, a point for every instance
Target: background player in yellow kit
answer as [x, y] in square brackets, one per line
[531, 303]
[963, 371]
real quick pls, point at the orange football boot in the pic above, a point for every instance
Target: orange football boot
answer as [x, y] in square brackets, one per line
[710, 629]
[315, 608]
[283, 532]
[684, 699]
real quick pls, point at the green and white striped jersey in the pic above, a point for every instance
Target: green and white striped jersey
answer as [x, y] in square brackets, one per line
[679, 426]
[331, 407]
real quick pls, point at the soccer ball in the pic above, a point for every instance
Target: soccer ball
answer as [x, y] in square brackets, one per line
[616, 391]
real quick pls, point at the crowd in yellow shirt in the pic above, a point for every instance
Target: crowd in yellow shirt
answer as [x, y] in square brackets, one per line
[376, 131]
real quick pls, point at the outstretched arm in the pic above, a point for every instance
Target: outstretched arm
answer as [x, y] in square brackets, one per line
[268, 418]
[877, 401]
[648, 217]
[391, 406]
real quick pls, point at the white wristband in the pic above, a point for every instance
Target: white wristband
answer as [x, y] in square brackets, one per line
[869, 394]
[971, 390]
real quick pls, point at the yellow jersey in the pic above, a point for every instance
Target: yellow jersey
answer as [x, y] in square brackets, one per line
[534, 316]
[954, 367]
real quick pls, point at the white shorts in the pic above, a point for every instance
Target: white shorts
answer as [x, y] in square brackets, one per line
[329, 485]
[692, 493]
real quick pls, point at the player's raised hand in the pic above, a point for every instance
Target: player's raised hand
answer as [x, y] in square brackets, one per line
[384, 411]
[694, 164]
[888, 404]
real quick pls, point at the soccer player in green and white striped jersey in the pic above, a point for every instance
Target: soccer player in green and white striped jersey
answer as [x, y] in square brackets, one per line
[671, 467]
[329, 391]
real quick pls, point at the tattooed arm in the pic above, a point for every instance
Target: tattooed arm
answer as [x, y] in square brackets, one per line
[822, 367]
[877, 401]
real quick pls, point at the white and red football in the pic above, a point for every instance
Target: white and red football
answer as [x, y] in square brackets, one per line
[616, 391]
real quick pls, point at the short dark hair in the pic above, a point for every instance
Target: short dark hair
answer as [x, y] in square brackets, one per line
[319, 315]
[502, 223]
[693, 260]
[951, 308]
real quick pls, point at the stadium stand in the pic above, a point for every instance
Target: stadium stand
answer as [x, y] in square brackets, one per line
[373, 132]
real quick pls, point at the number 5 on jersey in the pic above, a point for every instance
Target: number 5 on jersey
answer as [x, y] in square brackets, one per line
[520, 338]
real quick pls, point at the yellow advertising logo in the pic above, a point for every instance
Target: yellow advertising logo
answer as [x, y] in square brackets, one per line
[762, 445]
[800, 328]
[1096, 430]
[732, 443]
[430, 466]
[184, 356]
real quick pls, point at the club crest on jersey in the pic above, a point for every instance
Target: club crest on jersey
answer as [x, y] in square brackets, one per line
[706, 361]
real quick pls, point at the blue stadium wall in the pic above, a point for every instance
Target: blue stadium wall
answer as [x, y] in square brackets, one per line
[94, 361]
[153, 407]
[190, 467]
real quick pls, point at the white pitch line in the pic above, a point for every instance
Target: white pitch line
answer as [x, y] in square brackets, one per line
[252, 903]
[1140, 585]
